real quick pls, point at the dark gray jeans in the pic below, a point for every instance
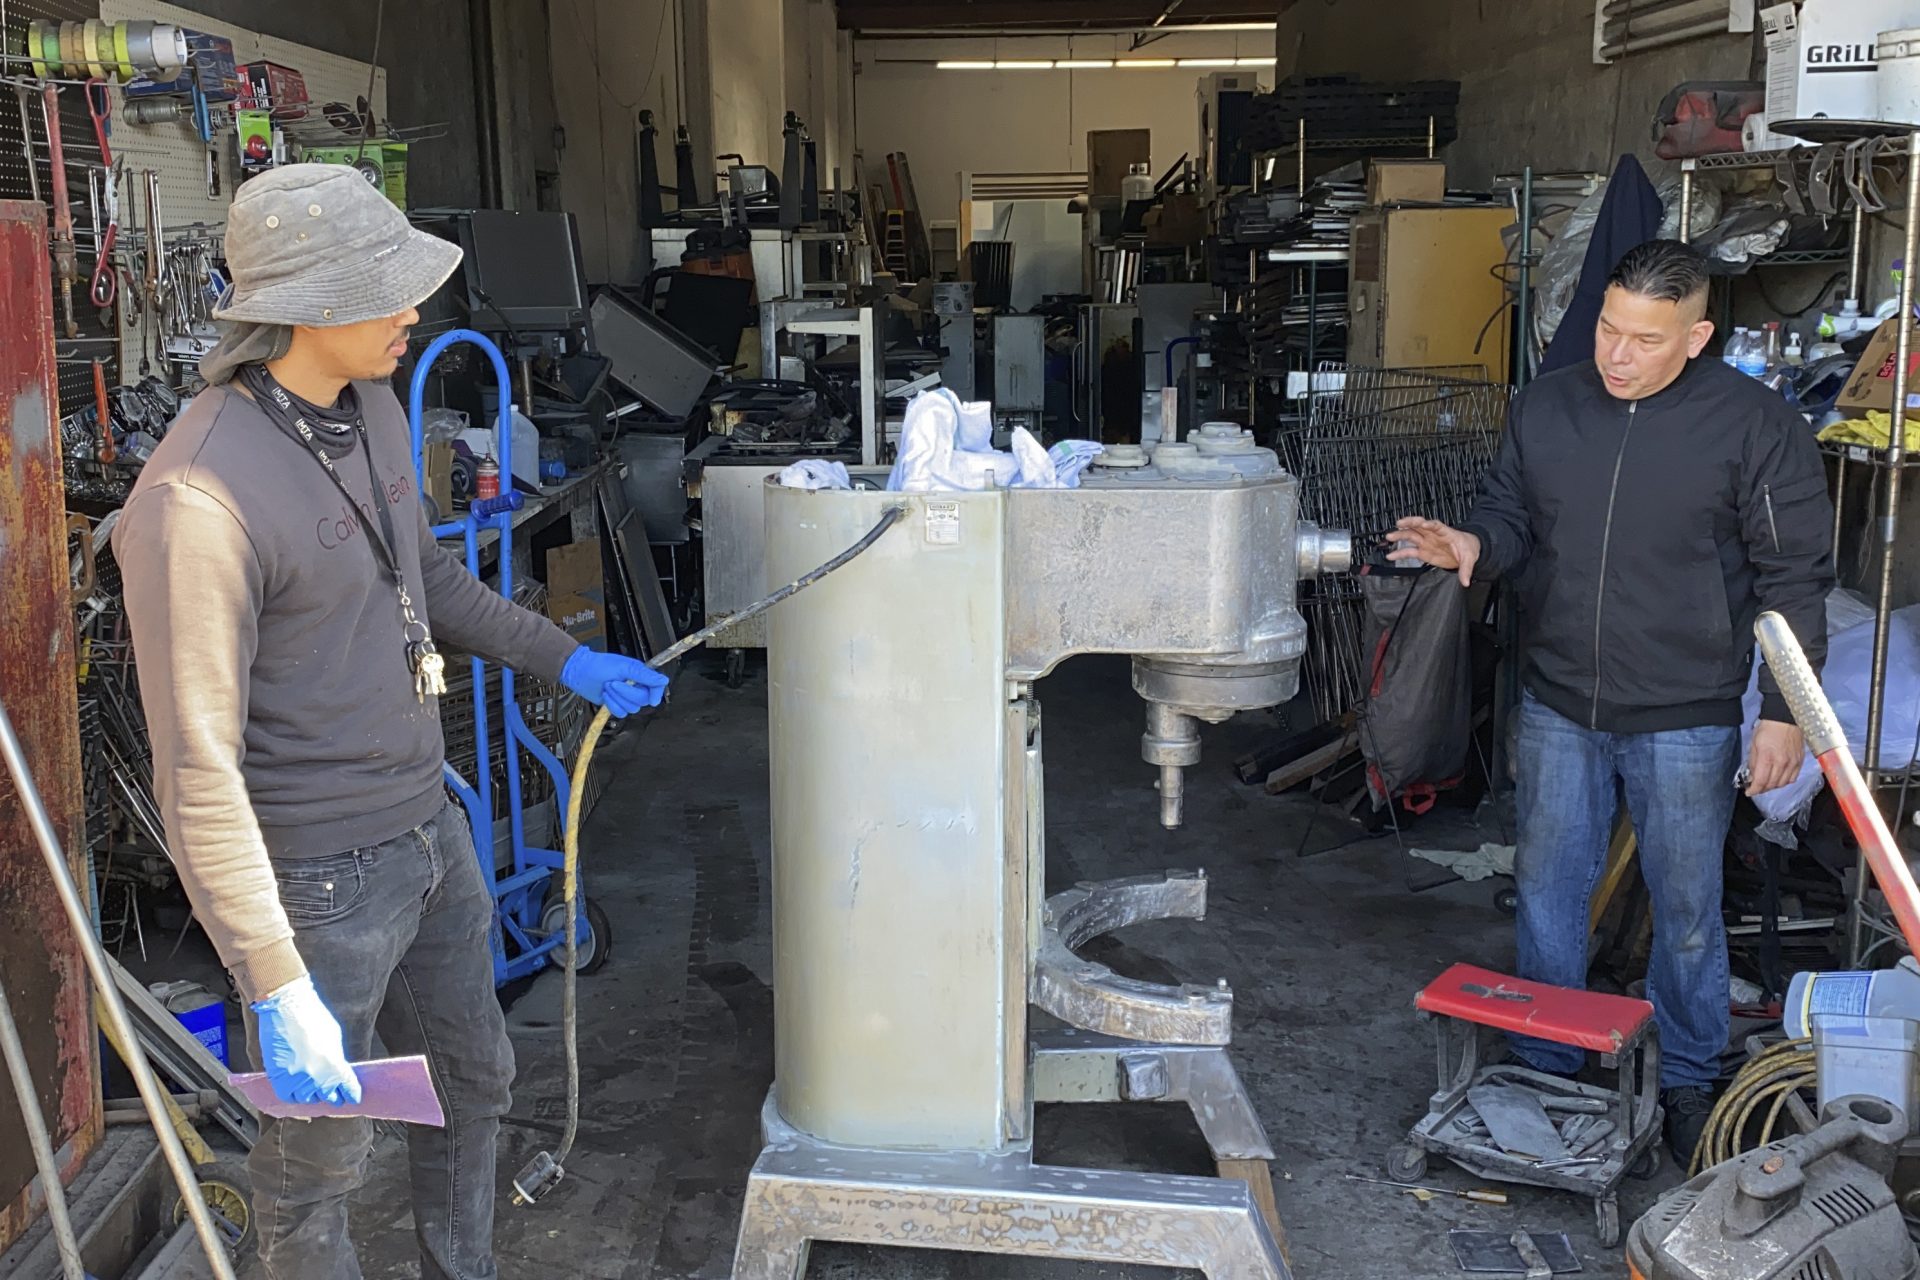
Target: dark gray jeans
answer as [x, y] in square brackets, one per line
[395, 937]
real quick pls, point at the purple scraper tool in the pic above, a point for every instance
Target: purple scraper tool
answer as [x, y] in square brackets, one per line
[390, 1089]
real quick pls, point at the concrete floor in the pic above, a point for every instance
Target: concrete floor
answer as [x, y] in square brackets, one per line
[1324, 954]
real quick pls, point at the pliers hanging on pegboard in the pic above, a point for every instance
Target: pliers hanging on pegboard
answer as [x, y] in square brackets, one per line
[103, 287]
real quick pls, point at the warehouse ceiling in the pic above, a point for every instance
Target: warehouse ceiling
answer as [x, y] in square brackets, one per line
[1012, 16]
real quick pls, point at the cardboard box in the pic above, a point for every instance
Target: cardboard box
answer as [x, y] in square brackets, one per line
[436, 461]
[1870, 385]
[1406, 182]
[1421, 285]
[1180, 219]
[1110, 152]
[268, 86]
[390, 159]
[577, 592]
[211, 59]
[1821, 60]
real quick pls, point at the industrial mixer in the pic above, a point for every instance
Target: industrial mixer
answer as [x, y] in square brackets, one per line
[911, 932]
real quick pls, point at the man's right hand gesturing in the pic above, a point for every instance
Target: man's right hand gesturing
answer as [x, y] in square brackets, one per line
[1443, 547]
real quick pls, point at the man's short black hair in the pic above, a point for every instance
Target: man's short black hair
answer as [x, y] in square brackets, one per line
[1664, 270]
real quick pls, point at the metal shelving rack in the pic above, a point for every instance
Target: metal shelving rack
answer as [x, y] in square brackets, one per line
[1307, 265]
[1889, 464]
[1852, 255]
[1303, 146]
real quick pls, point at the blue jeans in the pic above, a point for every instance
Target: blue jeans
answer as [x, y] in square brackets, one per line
[396, 939]
[1680, 793]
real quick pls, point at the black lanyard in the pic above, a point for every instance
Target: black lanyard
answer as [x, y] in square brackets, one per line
[278, 403]
[423, 660]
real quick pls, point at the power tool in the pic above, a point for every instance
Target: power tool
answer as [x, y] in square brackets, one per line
[1811, 1207]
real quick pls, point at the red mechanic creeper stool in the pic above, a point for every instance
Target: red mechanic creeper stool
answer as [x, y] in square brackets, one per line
[1608, 1130]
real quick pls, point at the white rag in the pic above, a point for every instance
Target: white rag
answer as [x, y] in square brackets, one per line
[1472, 864]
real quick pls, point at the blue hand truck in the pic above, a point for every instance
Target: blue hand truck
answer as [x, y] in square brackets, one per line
[528, 916]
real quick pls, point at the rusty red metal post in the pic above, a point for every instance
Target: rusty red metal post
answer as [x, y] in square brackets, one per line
[41, 965]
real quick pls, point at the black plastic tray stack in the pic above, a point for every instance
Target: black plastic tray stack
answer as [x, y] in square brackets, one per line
[1342, 112]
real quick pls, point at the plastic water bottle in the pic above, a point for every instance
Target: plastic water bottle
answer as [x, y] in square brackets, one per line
[1753, 355]
[1735, 344]
[1875, 993]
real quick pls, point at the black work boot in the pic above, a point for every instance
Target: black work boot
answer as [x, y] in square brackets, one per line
[1687, 1108]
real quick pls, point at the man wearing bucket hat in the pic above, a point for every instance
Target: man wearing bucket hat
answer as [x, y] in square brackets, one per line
[286, 597]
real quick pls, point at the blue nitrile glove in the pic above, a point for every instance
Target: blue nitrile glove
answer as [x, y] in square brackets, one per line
[301, 1047]
[620, 684]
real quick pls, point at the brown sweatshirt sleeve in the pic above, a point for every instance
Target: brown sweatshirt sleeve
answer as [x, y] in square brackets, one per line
[193, 596]
[468, 614]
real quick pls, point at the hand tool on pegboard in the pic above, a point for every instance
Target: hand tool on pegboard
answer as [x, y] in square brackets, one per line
[104, 287]
[26, 141]
[103, 414]
[65, 252]
[203, 125]
[155, 295]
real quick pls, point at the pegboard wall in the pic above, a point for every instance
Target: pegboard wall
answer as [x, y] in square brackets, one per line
[174, 151]
[97, 340]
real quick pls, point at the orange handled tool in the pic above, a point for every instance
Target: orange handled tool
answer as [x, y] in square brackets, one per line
[104, 413]
[1828, 742]
[65, 260]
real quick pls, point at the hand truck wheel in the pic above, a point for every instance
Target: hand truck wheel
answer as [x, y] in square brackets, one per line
[591, 951]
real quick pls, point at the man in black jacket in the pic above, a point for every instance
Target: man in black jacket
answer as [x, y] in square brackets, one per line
[1650, 505]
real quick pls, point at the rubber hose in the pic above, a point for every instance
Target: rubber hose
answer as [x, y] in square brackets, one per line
[1771, 1077]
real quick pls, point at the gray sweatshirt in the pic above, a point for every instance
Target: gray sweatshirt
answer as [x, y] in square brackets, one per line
[272, 659]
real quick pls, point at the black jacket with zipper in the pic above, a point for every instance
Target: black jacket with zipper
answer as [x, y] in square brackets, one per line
[1647, 535]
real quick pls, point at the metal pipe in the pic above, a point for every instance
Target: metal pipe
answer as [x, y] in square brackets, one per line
[1686, 202]
[1624, 9]
[1854, 266]
[1895, 460]
[1662, 40]
[1890, 520]
[1301, 190]
[109, 997]
[485, 103]
[1524, 317]
[41, 1140]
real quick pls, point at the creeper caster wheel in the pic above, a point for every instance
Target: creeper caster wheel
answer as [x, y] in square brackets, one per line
[1406, 1163]
[1606, 1215]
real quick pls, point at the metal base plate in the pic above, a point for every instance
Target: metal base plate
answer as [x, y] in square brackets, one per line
[802, 1191]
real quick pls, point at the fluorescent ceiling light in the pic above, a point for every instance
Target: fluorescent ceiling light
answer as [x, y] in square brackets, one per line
[1024, 64]
[1206, 62]
[1146, 62]
[1084, 64]
[964, 66]
[1254, 62]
